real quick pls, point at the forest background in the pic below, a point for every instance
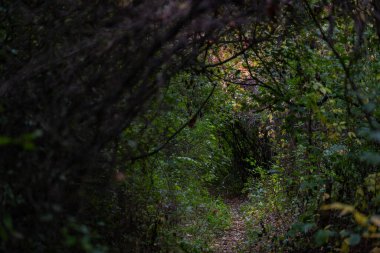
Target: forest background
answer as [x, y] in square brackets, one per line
[125, 124]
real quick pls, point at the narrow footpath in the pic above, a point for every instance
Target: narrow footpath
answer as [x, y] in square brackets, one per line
[233, 238]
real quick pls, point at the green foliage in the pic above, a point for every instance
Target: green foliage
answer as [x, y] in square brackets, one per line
[78, 237]
[173, 209]
[127, 132]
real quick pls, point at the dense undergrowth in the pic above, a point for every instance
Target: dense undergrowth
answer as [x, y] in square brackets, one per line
[129, 132]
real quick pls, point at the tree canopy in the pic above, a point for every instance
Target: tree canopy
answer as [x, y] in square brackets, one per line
[125, 125]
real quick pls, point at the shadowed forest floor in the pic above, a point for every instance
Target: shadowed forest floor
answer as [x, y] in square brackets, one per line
[232, 240]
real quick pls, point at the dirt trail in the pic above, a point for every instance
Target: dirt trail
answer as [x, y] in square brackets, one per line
[233, 238]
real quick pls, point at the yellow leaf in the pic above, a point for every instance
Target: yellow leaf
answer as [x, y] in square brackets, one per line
[361, 219]
[345, 247]
[372, 229]
[339, 206]
[270, 118]
[360, 192]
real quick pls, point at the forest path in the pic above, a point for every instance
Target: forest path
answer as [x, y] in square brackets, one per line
[232, 241]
